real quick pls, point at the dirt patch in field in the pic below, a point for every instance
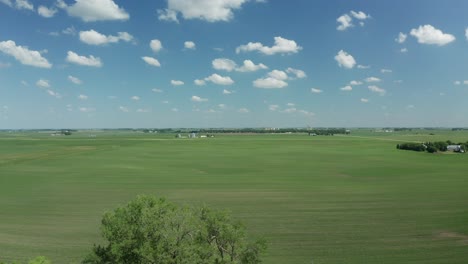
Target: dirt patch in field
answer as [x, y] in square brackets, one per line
[453, 235]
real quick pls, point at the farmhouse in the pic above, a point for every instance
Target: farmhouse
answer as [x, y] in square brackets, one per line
[455, 148]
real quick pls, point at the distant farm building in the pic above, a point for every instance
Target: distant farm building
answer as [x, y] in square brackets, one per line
[193, 134]
[455, 148]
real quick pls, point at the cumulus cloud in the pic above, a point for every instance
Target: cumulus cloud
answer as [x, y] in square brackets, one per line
[156, 90]
[372, 79]
[18, 4]
[345, 22]
[91, 61]
[249, 66]
[282, 46]
[401, 38]
[199, 82]
[53, 94]
[93, 37]
[315, 90]
[151, 61]
[298, 73]
[376, 89]
[43, 83]
[207, 10]
[46, 12]
[198, 99]
[82, 97]
[363, 67]
[279, 75]
[364, 100]
[224, 64]
[177, 82]
[74, 80]
[269, 83]
[94, 10]
[156, 45]
[243, 110]
[355, 83]
[360, 15]
[24, 55]
[135, 98]
[189, 45]
[220, 80]
[225, 91]
[428, 34]
[347, 88]
[345, 60]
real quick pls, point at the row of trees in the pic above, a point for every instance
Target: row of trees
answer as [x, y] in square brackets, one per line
[431, 147]
[153, 230]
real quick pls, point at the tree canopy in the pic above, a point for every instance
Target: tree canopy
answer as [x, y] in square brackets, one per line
[154, 230]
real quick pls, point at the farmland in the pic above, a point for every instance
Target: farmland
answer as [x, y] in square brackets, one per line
[326, 199]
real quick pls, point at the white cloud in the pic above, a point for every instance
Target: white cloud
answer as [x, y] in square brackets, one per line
[198, 99]
[151, 61]
[243, 110]
[54, 94]
[363, 67]
[46, 12]
[282, 45]
[347, 88]
[249, 66]
[93, 37]
[156, 90]
[199, 82]
[386, 71]
[19, 4]
[345, 60]
[465, 82]
[360, 15]
[91, 61]
[224, 64]
[273, 107]
[135, 98]
[427, 34]
[124, 109]
[269, 83]
[290, 104]
[315, 90]
[401, 38]
[141, 110]
[227, 91]
[74, 80]
[177, 82]
[69, 31]
[404, 50]
[43, 83]
[175, 110]
[345, 22]
[24, 55]
[372, 79]
[355, 83]
[86, 109]
[364, 100]
[289, 110]
[190, 45]
[278, 75]
[376, 89]
[82, 97]
[466, 33]
[208, 10]
[156, 45]
[299, 73]
[220, 80]
[95, 10]
[456, 82]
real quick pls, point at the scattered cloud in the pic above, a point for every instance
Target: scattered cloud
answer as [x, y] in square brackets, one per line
[282, 46]
[46, 12]
[18, 4]
[243, 110]
[94, 10]
[156, 90]
[355, 82]
[360, 15]
[69, 31]
[372, 79]
[74, 80]
[199, 82]
[24, 55]
[135, 98]
[315, 90]
[43, 83]
[269, 83]
[177, 82]
[198, 99]
[86, 109]
[376, 89]
[363, 67]
[401, 38]
[347, 88]
[190, 45]
[93, 37]
[345, 60]
[345, 22]
[249, 66]
[298, 73]
[456, 82]
[220, 80]
[91, 61]
[207, 10]
[175, 110]
[466, 33]
[273, 107]
[224, 64]
[279, 75]
[82, 97]
[142, 110]
[364, 100]
[225, 91]
[386, 71]
[428, 34]
[156, 45]
[403, 50]
[53, 94]
[151, 61]
[124, 109]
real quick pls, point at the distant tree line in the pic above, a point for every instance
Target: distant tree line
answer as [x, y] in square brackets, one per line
[431, 147]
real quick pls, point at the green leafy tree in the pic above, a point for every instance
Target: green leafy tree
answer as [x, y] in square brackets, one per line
[36, 260]
[154, 230]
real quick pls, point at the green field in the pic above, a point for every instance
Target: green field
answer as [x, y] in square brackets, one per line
[325, 199]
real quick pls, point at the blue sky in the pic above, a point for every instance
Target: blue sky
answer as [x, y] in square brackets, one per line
[233, 63]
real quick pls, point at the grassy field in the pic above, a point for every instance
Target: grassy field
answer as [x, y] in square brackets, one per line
[342, 199]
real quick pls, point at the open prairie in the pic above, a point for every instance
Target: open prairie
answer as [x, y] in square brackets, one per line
[324, 199]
